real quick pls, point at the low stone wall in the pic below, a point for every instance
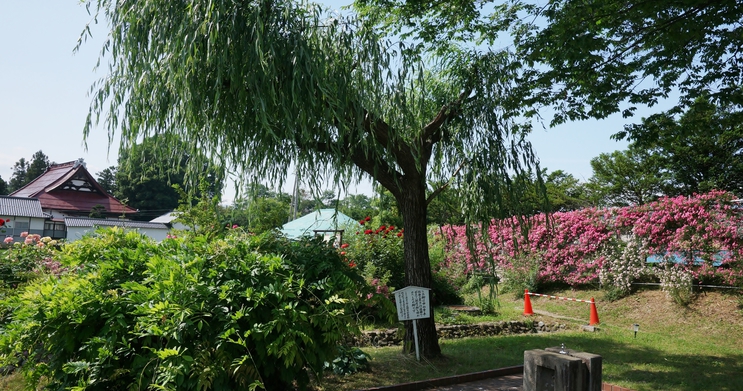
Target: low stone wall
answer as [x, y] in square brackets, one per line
[392, 337]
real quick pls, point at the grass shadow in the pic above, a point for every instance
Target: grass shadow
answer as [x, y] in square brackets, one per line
[627, 362]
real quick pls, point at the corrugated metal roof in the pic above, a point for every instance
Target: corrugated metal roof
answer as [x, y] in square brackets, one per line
[166, 218]
[21, 207]
[88, 222]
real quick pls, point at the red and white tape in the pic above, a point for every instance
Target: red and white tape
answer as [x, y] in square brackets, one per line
[560, 297]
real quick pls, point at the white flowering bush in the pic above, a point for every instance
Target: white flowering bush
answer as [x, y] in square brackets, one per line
[623, 264]
[676, 281]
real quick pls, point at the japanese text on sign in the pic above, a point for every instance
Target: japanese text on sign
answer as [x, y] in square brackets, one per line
[412, 303]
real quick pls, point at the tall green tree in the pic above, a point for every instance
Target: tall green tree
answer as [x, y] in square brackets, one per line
[445, 208]
[38, 164]
[107, 180]
[19, 178]
[259, 214]
[260, 209]
[260, 86]
[590, 58]
[700, 148]
[3, 187]
[547, 192]
[357, 206]
[565, 192]
[629, 177]
[148, 170]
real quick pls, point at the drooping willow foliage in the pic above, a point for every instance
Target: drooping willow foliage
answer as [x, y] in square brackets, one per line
[262, 85]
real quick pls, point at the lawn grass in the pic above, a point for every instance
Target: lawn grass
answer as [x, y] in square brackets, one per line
[12, 382]
[677, 348]
[699, 347]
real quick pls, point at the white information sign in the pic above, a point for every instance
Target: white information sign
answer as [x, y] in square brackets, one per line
[413, 302]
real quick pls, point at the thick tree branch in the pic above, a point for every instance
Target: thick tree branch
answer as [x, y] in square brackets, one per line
[402, 152]
[444, 186]
[376, 167]
[431, 130]
[379, 170]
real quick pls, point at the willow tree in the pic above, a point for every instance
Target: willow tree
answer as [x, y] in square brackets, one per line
[264, 85]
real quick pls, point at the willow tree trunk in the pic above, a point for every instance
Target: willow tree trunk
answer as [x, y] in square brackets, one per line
[412, 206]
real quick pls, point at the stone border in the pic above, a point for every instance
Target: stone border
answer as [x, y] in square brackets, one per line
[393, 337]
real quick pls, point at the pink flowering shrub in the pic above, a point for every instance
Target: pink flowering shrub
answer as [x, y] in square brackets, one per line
[567, 245]
[624, 263]
[610, 245]
[22, 261]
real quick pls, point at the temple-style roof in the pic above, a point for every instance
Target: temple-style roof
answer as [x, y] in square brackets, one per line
[70, 187]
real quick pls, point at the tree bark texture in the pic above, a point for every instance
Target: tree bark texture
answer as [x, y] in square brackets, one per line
[412, 205]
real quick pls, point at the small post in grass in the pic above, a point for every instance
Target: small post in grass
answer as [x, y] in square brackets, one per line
[636, 327]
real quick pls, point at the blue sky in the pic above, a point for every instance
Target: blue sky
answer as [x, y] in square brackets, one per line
[44, 96]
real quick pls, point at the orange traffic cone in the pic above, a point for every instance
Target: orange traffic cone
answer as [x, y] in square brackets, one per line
[527, 303]
[594, 320]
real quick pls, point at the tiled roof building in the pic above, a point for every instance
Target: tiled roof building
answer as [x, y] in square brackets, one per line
[59, 202]
[68, 189]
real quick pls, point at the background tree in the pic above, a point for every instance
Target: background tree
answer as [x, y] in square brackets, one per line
[148, 170]
[3, 187]
[630, 177]
[107, 180]
[19, 177]
[280, 84]
[555, 191]
[310, 202]
[38, 164]
[701, 148]
[267, 214]
[261, 209]
[585, 58]
[590, 56]
[357, 206]
[387, 211]
[565, 192]
[446, 207]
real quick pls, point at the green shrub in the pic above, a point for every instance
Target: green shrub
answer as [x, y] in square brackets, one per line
[185, 314]
[381, 247]
[349, 361]
[524, 274]
[476, 283]
[447, 279]
[444, 293]
[23, 261]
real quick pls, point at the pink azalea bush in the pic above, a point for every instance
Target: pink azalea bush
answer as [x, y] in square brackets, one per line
[610, 245]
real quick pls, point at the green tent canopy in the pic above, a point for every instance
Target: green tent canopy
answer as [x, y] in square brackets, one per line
[325, 222]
